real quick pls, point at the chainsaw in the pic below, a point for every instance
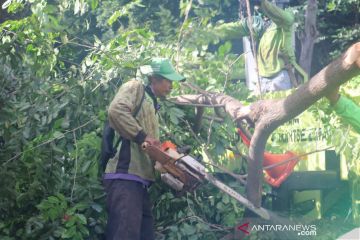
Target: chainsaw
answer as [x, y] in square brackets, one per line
[184, 173]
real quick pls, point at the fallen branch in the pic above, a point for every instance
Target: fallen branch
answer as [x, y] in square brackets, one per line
[267, 115]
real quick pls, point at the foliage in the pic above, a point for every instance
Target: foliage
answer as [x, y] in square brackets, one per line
[338, 24]
[62, 62]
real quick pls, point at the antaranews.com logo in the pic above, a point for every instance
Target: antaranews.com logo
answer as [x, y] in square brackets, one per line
[300, 229]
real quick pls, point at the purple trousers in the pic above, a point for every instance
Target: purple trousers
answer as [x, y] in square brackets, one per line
[129, 211]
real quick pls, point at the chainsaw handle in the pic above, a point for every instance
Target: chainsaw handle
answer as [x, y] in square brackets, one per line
[184, 149]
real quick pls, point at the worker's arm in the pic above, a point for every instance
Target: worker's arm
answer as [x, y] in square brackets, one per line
[284, 19]
[301, 71]
[349, 111]
[346, 109]
[239, 29]
[280, 17]
[121, 111]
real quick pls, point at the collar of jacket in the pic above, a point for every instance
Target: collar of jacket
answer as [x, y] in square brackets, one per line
[149, 91]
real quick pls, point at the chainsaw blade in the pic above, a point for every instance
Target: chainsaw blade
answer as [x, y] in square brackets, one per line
[231, 192]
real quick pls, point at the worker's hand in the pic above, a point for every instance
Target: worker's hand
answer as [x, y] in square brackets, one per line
[244, 114]
[152, 141]
[159, 167]
[333, 96]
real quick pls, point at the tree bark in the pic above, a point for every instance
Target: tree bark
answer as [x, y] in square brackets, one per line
[198, 119]
[308, 36]
[267, 115]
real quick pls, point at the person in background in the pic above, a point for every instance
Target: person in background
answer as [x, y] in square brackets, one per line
[345, 108]
[275, 53]
[129, 174]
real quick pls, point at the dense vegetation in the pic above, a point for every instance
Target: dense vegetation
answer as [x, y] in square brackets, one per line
[61, 62]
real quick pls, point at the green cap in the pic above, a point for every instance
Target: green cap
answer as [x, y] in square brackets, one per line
[162, 67]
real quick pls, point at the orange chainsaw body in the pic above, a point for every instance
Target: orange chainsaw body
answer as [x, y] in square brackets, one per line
[170, 159]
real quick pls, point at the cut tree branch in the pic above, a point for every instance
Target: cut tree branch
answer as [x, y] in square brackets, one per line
[267, 115]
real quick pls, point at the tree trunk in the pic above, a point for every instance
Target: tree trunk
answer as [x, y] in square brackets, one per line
[267, 115]
[308, 36]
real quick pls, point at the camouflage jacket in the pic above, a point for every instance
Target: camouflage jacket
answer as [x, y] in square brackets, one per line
[130, 158]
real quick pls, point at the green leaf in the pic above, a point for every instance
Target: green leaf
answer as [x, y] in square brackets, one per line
[94, 4]
[220, 206]
[114, 17]
[193, 237]
[71, 222]
[81, 206]
[224, 49]
[82, 218]
[53, 199]
[97, 207]
[174, 119]
[68, 233]
[331, 6]
[58, 135]
[85, 166]
[84, 231]
[188, 229]
[225, 199]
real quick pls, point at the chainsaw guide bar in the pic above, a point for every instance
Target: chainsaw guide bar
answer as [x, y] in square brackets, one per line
[185, 173]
